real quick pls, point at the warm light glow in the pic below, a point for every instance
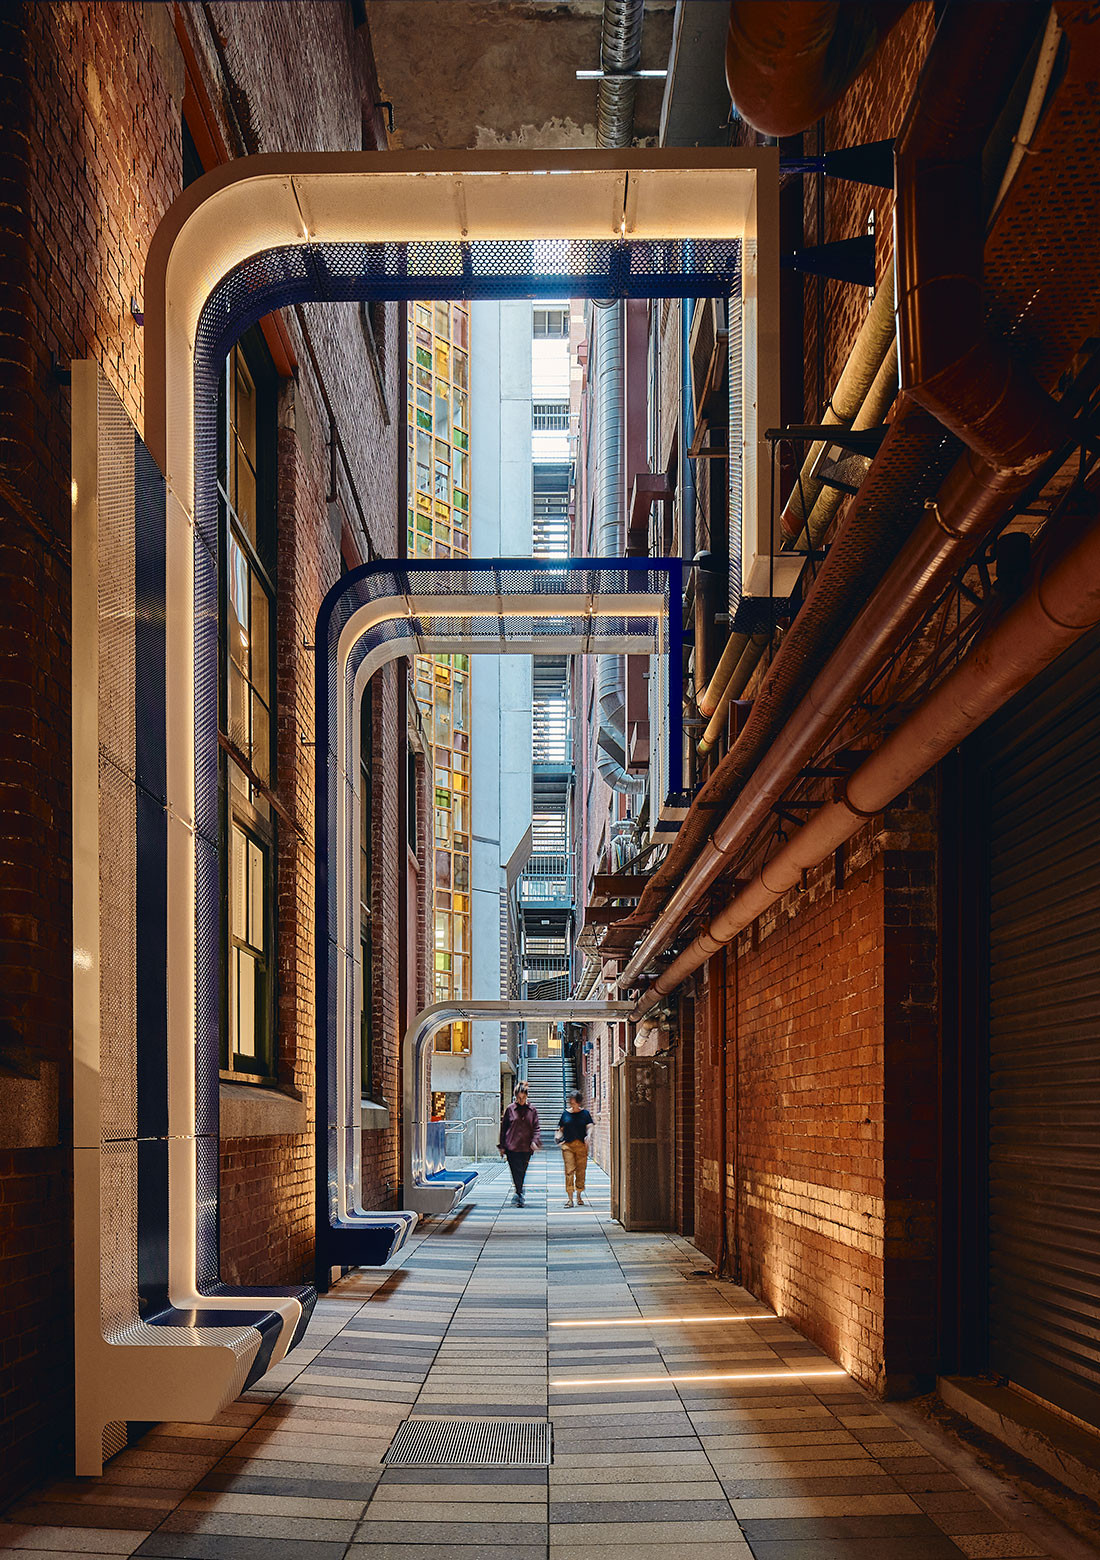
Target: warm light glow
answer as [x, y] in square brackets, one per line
[653, 1321]
[749, 1375]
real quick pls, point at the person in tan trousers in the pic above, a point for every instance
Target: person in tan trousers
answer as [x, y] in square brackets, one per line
[573, 1131]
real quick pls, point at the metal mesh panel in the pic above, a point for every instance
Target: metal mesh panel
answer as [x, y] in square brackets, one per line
[117, 952]
[735, 358]
[115, 505]
[471, 1443]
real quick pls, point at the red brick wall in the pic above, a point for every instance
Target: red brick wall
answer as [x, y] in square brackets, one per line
[831, 1045]
[90, 157]
[871, 110]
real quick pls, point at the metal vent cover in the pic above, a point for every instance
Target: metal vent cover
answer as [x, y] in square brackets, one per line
[471, 1443]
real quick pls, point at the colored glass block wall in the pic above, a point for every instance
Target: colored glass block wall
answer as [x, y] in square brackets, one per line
[438, 382]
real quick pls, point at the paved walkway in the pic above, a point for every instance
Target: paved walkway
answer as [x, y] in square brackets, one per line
[688, 1422]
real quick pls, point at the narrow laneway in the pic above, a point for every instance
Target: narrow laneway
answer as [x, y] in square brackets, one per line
[687, 1421]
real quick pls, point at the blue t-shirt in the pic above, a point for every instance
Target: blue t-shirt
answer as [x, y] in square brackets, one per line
[574, 1125]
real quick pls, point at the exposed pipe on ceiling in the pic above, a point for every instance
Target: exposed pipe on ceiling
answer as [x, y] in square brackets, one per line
[1061, 603]
[852, 388]
[972, 500]
[952, 364]
[787, 63]
[620, 50]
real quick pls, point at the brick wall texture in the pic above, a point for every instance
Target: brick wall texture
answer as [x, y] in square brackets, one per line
[91, 112]
[815, 1173]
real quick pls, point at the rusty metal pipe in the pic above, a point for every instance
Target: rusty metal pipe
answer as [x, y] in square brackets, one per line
[971, 501]
[747, 663]
[1061, 604]
[969, 504]
[787, 63]
[855, 384]
[952, 365]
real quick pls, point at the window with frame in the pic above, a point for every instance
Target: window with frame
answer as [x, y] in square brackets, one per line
[550, 416]
[246, 493]
[550, 324]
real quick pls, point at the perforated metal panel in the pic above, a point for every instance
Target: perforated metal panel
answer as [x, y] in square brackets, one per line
[472, 1443]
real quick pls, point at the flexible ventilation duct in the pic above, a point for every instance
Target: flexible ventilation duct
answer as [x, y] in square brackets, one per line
[620, 50]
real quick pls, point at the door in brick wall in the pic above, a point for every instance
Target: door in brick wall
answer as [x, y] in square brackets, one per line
[1041, 763]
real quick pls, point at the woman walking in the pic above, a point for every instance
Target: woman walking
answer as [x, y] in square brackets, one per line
[572, 1133]
[519, 1137]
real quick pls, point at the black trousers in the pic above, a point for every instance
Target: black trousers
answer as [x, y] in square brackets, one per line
[517, 1164]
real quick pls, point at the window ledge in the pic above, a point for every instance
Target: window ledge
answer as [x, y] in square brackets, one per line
[248, 1111]
[375, 1117]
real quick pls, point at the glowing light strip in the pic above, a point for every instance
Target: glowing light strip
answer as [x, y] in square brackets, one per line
[752, 1375]
[662, 1321]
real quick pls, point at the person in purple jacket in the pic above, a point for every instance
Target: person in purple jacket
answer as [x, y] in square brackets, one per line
[519, 1137]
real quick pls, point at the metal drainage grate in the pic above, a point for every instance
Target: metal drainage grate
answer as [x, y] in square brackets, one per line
[471, 1443]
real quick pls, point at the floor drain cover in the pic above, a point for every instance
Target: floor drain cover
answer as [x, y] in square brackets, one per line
[471, 1443]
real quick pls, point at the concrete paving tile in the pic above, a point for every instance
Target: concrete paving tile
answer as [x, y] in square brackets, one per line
[997, 1544]
[357, 1487]
[426, 1512]
[824, 1506]
[872, 1482]
[221, 1546]
[763, 1529]
[252, 1504]
[615, 1534]
[748, 1465]
[388, 1495]
[481, 1478]
[68, 1540]
[923, 1548]
[969, 1522]
[596, 1489]
[253, 1526]
[514, 1551]
[58, 1514]
[450, 1534]
[637, 1510]
[728, 1549]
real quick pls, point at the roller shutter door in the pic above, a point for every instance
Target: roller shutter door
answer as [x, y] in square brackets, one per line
[1043, 760]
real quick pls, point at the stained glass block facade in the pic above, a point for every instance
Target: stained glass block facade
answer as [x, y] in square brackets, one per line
[438, 369]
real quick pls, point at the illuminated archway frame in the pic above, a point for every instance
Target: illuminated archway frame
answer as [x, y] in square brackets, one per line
[289, 205]
[378, 613]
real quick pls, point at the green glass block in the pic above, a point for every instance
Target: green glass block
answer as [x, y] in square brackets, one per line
[442, 797]
[423, 419]
[462, 500]
[423, 358]
[461, 440]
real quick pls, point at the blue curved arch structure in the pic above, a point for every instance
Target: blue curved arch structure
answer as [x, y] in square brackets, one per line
[376, 614]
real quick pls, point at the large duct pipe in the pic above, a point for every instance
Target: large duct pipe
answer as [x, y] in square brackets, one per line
[952, 365]
[852, 388]
[787, 63]
[1061, 604]
[974, 497]
[620, 50]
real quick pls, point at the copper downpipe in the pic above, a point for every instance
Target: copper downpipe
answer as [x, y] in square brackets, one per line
[1061, 603]
[787, 63]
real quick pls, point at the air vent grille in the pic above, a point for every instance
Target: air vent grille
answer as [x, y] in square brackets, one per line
[471, 1443]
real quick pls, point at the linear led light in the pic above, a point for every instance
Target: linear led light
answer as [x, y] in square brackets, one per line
[654, 1321]
[639, 1381]
[621, 75]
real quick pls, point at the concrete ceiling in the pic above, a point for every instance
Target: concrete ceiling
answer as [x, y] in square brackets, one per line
[501, 73]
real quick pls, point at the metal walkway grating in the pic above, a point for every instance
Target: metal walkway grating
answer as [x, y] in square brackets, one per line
[471, 1443]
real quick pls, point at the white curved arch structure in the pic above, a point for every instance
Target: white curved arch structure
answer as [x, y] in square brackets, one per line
[439, 1194]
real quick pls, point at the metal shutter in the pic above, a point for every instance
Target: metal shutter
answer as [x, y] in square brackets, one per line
[1044, 1036]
